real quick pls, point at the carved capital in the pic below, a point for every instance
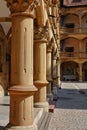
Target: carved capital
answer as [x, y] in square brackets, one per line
[21, 5]
[55, 51]
[50, 2]
[50, 45]
[41, 33]
[55, 1]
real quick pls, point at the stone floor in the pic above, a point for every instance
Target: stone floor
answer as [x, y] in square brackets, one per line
[70, 112]
[71, 108]
[4, 111]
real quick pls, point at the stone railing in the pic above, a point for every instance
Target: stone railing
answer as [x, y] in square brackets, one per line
[73, 30]
[73, 54]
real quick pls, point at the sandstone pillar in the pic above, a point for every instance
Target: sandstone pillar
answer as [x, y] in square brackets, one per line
[40, 67]
[54, 74]
[49, 71]
[59, 82]
[54, 69]
[80, 72]
[22, 90]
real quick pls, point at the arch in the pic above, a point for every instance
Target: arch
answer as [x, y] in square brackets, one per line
[69, 71]
[84, 44]
[84, 21]
[70, 20]
[2, 32]
[69, 42]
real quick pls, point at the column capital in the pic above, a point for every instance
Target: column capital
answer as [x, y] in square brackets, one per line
[49, 48]
[21, 6]
[50, 45]
[51, 2]
[41, 33]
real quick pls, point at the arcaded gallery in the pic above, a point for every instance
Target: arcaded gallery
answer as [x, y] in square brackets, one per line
[42, 43]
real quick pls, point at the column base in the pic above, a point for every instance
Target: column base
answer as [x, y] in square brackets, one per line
[55, 90]
[50, 96]
[10, 127]
[80, 80]
[44, 105]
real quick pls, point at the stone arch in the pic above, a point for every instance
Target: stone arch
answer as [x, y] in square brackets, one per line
[84, 44]
[2, 33]
[69, 71]
[84, 20]
[69, 42]
[3, 62]
[71, 20]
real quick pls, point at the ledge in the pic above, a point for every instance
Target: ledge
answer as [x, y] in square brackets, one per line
[41, 83]
[22, 89]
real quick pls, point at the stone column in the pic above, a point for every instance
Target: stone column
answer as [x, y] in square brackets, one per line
[54, 74]
[49, 71]
[59, 82]
[40, 67]
[54, 68]
[22, 90]
[80, 72]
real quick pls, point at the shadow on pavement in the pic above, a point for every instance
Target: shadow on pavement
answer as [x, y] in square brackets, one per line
[72, 99]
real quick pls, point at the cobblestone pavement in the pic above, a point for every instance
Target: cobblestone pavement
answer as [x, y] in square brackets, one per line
[71, 108]
[70, 112]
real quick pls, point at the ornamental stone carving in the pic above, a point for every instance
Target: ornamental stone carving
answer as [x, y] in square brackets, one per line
[41, 33]
[50, 45]
[21, 5]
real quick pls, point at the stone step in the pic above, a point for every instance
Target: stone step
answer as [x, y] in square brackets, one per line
[45, 122]
[41, 118]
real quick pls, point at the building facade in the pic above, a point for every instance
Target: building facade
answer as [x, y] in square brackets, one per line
[73, 43]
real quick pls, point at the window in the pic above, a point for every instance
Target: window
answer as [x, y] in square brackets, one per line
[69, 49]
[70, 25]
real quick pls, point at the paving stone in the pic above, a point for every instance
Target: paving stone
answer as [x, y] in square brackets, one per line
[70, 112]
[71, 108]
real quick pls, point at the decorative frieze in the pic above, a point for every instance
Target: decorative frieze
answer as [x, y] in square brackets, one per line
[50, 45]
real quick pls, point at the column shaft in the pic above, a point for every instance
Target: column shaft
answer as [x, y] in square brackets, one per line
[49, 72]
[59, 74]
[22, 51]
[40, 72]
[54, 69]
[80, 72]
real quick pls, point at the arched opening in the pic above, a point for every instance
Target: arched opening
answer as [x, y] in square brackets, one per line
[69, 71]
[70, 22]
[5, 43]
[69, 45]
[84, 20]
